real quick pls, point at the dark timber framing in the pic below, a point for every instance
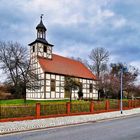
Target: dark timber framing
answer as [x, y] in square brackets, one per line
[39, 86]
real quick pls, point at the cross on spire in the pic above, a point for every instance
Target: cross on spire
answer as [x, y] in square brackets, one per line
[41, 16]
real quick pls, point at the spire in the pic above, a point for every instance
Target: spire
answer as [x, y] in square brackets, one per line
[41, 25]
[41, 33]
[41, 29]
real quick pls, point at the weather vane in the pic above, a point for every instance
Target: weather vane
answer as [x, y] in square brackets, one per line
[41, 16]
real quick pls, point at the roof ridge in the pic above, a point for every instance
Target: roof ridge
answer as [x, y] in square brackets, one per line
[67, 58]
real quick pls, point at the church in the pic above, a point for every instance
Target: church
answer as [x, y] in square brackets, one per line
[48, 72]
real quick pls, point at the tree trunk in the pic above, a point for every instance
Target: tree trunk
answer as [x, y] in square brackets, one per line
[70, 95]
[98, 95]
[24, 93]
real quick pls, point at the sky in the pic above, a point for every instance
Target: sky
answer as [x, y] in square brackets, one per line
[75, 27]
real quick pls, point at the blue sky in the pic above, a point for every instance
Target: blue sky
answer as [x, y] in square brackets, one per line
[76, 27]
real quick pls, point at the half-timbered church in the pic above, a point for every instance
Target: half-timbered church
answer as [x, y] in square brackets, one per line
[49, 70]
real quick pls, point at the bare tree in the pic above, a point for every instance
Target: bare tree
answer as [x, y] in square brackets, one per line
[15, 63]
[129, 79]
[99, 58]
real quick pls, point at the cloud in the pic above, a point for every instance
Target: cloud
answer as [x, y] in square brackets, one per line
[136, 64]
[119, 23]
[76, 27]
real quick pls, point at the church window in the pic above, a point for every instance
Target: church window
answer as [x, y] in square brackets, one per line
[52, 84]
[91, 88]
[45, 49]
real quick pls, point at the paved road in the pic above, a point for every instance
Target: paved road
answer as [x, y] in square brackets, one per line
[119, 129]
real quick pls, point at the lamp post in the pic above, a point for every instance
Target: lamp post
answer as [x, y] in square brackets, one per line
[122, 69]
[121, 103]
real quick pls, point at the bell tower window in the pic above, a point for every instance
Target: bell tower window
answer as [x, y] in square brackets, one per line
[45, 48]
[33, 48]
[41, 29]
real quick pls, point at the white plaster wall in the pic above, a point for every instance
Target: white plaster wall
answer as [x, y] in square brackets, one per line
[86, 93]
[47, 95]
[52, 94]
[57, 95]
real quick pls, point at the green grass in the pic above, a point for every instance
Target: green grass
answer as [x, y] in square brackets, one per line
[21, 101]
[17, 107]
[14, 101]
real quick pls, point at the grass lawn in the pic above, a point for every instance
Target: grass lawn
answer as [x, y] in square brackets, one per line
[14, 101]
[21, 101]
[17, 107]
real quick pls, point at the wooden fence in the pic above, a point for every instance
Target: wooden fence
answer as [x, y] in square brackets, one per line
[37, 111]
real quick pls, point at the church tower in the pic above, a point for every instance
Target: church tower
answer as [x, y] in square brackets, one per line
[40, 47]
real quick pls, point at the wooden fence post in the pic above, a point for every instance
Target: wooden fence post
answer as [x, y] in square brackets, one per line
[107, 105]
[129, 104]
[38, 110]
[135, 103]
[68, 107]
[91, 106]
[132, 103]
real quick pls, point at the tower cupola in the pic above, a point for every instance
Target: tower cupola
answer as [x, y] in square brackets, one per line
[41, 47]
[41, 29]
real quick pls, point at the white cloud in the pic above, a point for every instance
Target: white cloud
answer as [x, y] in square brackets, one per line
[88, 24]
[120, 22]
[106, 13]
[69, 12]
[73, 49]
[136, 64]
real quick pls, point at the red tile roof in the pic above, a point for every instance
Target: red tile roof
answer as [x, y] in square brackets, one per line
[65, 66]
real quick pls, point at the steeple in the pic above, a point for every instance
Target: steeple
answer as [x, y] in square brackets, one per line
[41, 47]
[41, 34]
[41, 29]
